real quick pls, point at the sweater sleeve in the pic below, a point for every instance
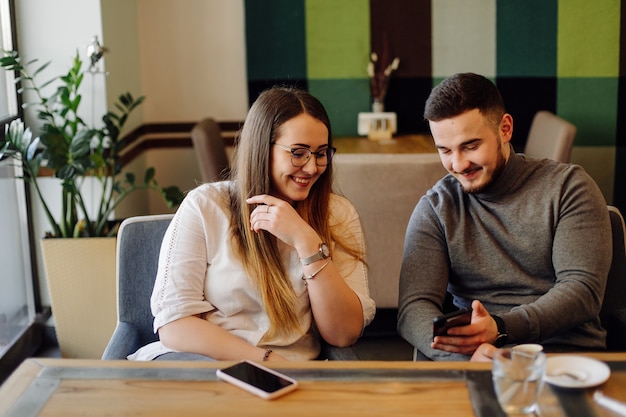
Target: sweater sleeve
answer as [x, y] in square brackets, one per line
[423, 280]
[581, 257]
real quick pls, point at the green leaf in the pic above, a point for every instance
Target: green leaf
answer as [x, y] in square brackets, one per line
[81, 144]
[33, 165]
[78, 81]
[66, 172]
[173, 196]
[149, 176]
[40, 69]
[76, 103]
[47, 83]
[117, 187]
[31, 150]
[97, 160]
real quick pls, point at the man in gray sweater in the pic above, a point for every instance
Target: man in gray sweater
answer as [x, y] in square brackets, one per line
[525, 242]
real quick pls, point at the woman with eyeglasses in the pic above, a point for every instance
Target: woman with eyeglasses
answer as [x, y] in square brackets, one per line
[262, 266]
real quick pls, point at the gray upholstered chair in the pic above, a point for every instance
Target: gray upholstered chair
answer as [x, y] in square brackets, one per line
[613, 313]
[138, 246]
[210, 149]
[550, 137]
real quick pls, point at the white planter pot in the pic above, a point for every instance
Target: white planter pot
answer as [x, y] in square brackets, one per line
[81, 280]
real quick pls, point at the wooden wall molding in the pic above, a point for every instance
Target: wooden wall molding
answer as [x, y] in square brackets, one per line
[169, 135]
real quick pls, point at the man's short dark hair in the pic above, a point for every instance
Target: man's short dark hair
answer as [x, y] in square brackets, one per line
[464, 92]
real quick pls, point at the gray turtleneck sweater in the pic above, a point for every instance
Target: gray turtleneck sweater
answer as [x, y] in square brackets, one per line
[534, 247]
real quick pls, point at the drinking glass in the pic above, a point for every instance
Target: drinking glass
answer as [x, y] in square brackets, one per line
[518, 379]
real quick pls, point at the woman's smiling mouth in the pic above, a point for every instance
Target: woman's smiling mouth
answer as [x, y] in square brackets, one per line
[301, 181]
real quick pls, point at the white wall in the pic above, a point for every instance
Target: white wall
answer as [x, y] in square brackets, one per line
[186, 56]
[192, 55]
[55, 31]
[119, 27]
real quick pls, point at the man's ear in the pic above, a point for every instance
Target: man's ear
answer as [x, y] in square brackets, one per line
[506, 128]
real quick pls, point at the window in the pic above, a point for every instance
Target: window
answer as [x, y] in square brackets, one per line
[18, 293]
[8, 94]
[17, 309]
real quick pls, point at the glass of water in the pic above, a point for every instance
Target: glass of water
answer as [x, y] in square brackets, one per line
[518, 379]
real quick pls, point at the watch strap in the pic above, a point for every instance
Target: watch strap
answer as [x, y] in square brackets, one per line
[320, 254]
[502, 336]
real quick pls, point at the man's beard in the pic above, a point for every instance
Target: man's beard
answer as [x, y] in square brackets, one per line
[500, 163]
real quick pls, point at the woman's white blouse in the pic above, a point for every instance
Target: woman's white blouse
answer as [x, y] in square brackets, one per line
[198, 273]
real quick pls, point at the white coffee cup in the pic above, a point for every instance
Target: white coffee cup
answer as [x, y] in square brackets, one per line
[528, 348]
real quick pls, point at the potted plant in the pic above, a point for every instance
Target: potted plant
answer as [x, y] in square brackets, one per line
[75, 152]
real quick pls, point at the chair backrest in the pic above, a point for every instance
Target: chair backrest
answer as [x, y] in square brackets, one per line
[208, 143]
[550, 137]
[615, 294]
[384, 188]
[138, 245]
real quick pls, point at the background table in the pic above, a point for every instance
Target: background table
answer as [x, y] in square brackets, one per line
[416, 143]
[72, 387]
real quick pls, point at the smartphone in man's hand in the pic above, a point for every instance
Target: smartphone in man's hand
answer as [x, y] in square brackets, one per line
[456, 318]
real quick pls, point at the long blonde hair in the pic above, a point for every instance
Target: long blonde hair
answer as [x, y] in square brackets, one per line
[251, 176]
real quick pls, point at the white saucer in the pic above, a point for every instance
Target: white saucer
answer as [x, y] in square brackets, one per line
[592, 371]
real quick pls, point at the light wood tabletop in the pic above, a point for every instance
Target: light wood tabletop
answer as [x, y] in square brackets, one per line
[73, 387]
[415, 143]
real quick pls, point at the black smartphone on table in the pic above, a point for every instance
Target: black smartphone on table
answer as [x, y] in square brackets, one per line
[258, 380]
[461, 317]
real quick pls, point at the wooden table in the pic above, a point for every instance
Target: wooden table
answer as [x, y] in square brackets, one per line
[73, 387]
[417, 143]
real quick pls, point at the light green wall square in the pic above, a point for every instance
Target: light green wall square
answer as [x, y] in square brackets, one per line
[588, 38]
[337, 38]
[343, 100]
[590, 104]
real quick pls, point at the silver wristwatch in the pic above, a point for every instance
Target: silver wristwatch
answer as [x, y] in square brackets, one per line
[322, 253]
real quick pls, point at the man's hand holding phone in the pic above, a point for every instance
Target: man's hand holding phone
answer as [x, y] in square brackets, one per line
[461, 317]
[464, 330]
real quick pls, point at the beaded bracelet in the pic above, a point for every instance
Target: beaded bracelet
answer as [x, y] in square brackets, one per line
[306, 277]
[267, 355]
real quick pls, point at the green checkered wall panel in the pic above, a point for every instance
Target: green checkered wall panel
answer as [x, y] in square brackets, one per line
[558, 55]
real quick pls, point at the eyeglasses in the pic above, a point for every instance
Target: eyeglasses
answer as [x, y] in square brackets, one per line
[300, 156]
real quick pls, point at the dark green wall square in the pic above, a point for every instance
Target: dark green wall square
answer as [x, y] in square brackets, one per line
[526, 38]
[275, 39]
[343, 100]
[590, 104]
